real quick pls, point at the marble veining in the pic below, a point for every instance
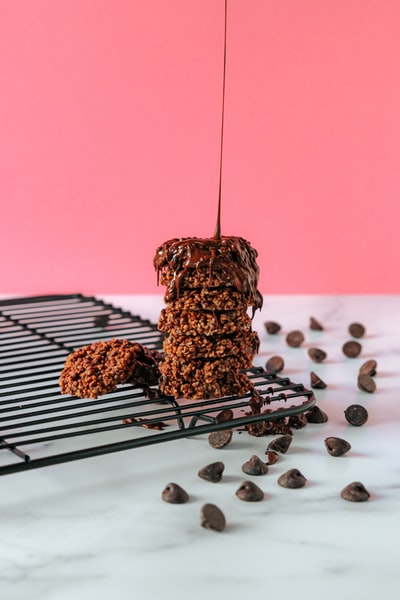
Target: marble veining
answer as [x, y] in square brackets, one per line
[97, 528]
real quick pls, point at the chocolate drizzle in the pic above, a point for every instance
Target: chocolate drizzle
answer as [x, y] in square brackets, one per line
[231, 255]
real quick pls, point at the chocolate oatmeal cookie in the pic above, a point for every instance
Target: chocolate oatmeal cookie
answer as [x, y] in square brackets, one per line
[208, 339]
[98, 368]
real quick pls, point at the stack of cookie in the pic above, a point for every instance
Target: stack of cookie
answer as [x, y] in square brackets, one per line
[208, 339]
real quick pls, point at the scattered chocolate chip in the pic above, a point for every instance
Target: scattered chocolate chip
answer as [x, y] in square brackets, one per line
[297, 421]
[273, 457]
[316, 381]
[101, 320]
[257, 429]
[212, 472]
[272, 327]
[255, 466]
[351, 349]
[275, 364]
[355, 492]
[249, 492]
[368, 368]
[356, 415]
[366, 383]
[295, 339]
[174, 494]
[280, 444]
[219, 439]
[315, 325]
[212, 517]
[316, 415]
[316, 354]
[292, 479]
[356, 330]
[225, 415]
[337, 446]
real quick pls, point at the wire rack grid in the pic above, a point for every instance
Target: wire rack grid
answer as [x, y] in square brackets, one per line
[39, 426]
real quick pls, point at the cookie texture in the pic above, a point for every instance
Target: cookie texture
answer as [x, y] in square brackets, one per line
[211, 296]
[98, 368]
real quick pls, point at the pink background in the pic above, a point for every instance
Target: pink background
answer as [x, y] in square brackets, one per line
[109, 140]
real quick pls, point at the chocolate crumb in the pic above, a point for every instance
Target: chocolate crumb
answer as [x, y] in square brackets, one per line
[273, 457]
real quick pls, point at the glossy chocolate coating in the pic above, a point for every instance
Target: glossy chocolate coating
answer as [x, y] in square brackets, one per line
[233, 255]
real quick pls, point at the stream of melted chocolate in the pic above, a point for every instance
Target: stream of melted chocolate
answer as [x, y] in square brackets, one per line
[217, 232]
[233, 255]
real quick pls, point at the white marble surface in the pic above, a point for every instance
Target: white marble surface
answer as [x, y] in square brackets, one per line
[97, 528]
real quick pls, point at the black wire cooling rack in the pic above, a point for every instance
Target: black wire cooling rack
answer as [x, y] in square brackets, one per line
[39, 426]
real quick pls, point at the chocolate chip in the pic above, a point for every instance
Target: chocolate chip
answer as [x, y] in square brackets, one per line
[212, 517]
[356, 330]
[224, 415]
[292, 479]
[174, 494]
[355, 492]
[275, 364]
[315, 325]
[212, 472]
[337, 446]
[368, 368]
[356, 415]
[272, 327]
[316, 415]
[295, 339]
[366, 383]
[249, 492]
[219, 439]
[316, 381]
[273, 457]
[316, 354]
[297, 421]
[280, 444]
[255, 466]
[101, 320]
[351, 349]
